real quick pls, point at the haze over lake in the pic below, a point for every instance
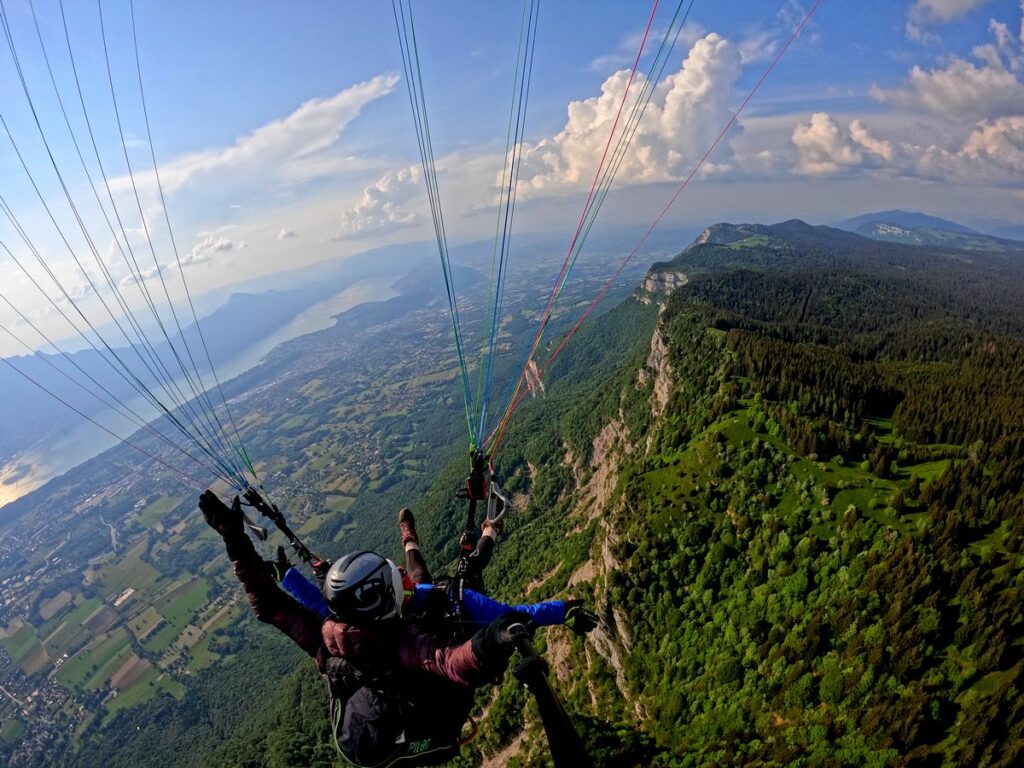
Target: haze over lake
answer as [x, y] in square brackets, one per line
[55, 455]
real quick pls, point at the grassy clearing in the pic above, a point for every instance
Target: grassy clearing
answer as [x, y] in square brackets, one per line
[339, 505]
[83, 610]
[432, 378]
[54, 606]
[66, 638]
[110, 667]
[343, 484]
[20, 643]
[320, 463]
[927, 471]
[143, 623]
[295, 422]
[131, 571]
[156, 511]
[178, 610]
[145, 687]
[25, 649]
[129, 672]
[314, 522]
[13, 730]
[202, 654]
[36, 661]
[752, 242]
[80, 671]
[101, 620]
[987, 685]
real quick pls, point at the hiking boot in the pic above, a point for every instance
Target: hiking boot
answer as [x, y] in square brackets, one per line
[407, 526]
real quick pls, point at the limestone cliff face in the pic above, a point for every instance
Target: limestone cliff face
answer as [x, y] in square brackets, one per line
[597, 501]
[657, 367]
[657, 285]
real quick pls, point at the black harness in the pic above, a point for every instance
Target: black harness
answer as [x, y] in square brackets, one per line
[408, 719]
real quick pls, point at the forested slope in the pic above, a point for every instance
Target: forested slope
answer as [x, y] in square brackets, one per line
[792, 488]
[812, 551]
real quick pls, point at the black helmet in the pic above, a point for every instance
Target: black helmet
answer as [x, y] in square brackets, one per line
[364, 587]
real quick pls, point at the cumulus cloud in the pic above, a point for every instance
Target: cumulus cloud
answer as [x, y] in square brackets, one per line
[286, 233]
[960, 90]
[992, 153]
[925, 13]
[963, 90]
[314, 127]
[823, 148]
[207, 248]
[962, 122]
[378, 210]
[685, 114]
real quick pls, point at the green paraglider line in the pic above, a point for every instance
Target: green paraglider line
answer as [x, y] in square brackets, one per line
[508, 215]
[417, 103]
[505, 172]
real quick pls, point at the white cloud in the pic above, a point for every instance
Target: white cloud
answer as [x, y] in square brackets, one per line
[207, 248]
[685, 114]
[961, 123]
[761, 43]
[993, 154]
[925, 13]
[944, 10]
[758, 46]
[378, 211]
[203, 252]
[270, 149]
[625, 54]
[962, 90]
[286, 233]
[823, 148]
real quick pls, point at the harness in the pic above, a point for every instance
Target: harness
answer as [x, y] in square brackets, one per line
[413, 722]
[481, 486]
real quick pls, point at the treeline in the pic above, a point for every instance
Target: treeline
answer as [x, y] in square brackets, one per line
[772, 624]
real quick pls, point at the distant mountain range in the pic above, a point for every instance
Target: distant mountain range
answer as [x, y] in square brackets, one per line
[921, 229]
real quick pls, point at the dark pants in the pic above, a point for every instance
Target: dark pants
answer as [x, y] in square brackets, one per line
[417, 569]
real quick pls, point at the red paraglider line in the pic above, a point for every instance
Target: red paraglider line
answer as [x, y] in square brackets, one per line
[686, 182]
[546, 315]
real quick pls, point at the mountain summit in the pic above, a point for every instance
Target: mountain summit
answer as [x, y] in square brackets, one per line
[921, 229]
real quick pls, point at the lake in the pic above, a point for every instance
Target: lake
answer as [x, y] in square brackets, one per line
[35, 466]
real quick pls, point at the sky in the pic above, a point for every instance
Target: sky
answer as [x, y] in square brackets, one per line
[282, 131]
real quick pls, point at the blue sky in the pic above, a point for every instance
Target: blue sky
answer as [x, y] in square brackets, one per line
[283, 133]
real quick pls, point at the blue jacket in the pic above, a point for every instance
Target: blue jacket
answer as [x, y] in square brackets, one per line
[478, 607]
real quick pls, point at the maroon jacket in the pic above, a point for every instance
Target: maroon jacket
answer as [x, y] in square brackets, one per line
[389, 646]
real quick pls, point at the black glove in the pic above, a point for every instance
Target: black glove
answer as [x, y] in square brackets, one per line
[225, 520]
[579, 619]
[493, 645]
[280, 566]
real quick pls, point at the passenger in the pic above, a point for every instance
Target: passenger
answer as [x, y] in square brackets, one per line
[396, 692]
